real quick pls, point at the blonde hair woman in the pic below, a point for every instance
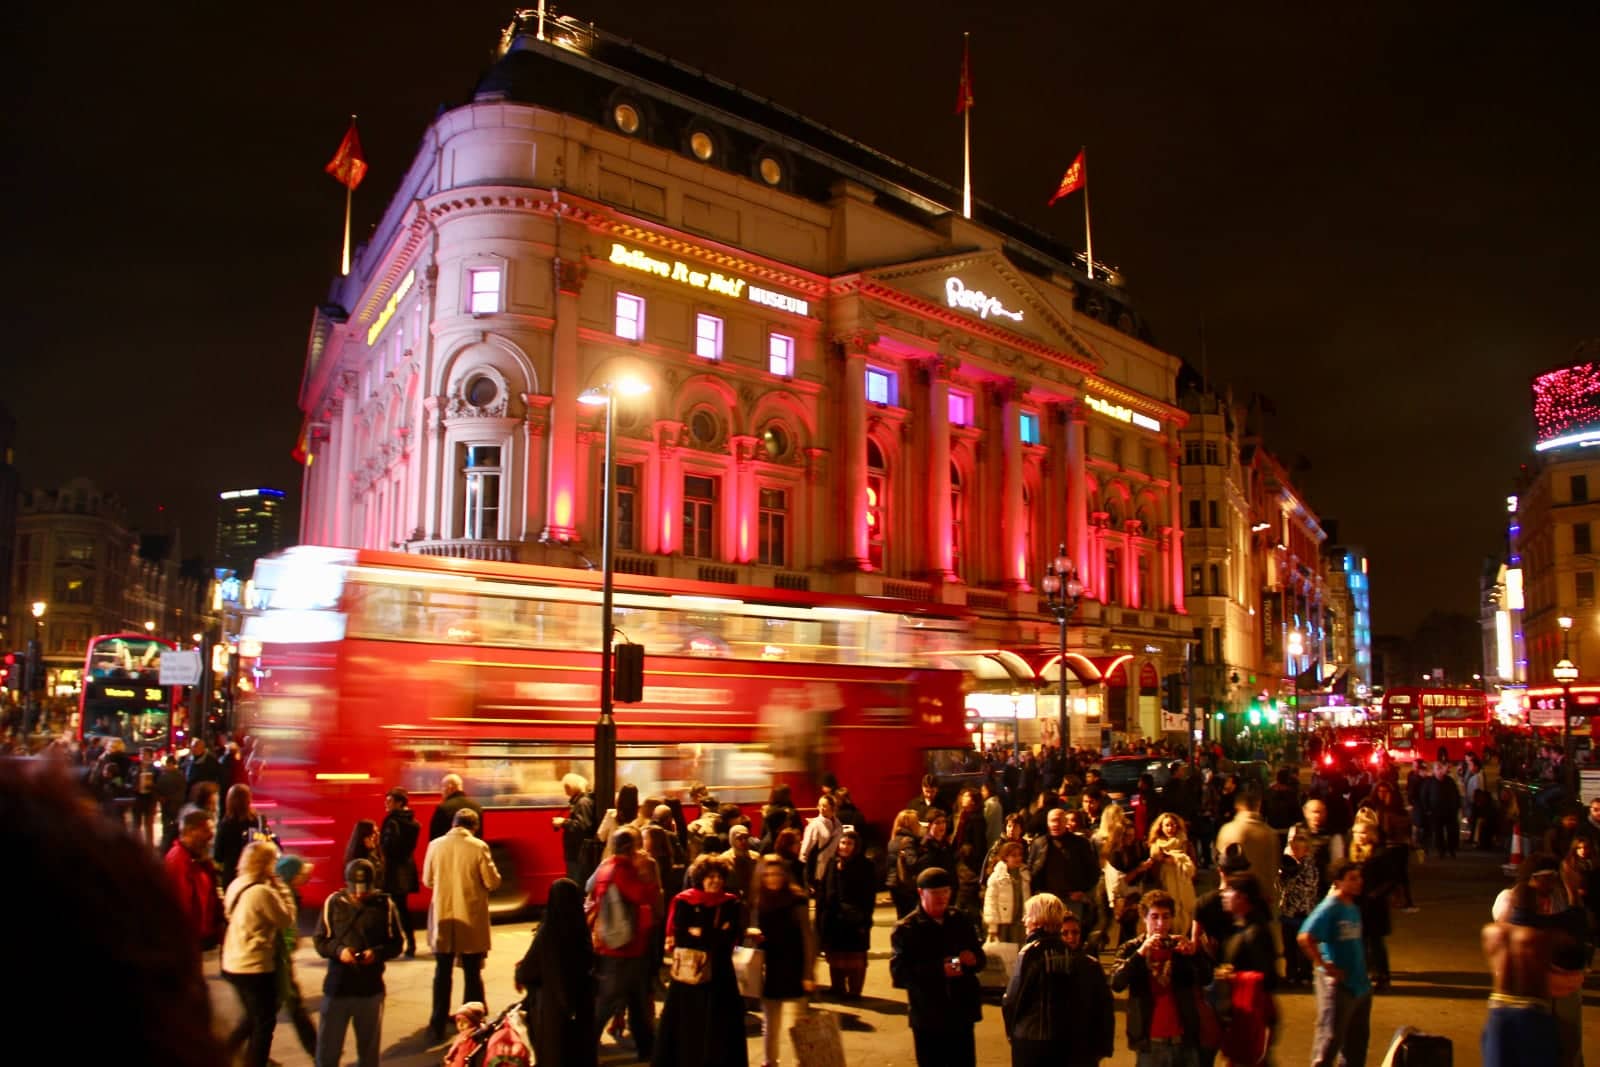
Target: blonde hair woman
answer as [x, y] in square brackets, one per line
[1171, 866]
[258, 904]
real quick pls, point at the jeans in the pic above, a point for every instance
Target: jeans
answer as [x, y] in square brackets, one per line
[1343, 1023]
[337, 1015]
[1166, 1052]
[471, 979]
[1296, 968]
[259, 992]
[772, 1027]
[945, 1046]
[408, 922]
[627, 980]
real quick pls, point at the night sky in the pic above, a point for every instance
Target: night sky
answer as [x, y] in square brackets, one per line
[1387, 221]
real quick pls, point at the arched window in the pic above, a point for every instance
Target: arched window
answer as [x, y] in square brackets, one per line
[877, 506]
[957, 521]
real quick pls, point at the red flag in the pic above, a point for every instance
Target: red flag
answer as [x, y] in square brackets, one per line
[964, 94]
[348, 166]
[1074, 179]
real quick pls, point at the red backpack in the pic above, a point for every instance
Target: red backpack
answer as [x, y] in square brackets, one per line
[1248, 1033]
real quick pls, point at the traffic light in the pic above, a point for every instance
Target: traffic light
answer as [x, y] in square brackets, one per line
[1172, 694]
[627, 683]
[11, 672]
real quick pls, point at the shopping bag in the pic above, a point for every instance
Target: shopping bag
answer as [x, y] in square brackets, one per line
[750, 964]
[817, 1041]
[1000, 959]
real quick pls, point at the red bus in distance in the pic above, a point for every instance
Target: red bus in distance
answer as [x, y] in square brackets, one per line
[122, 695]
[1417, 722]
[381, 669]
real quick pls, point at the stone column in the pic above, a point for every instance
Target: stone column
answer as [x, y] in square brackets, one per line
[561, 482]
[535, 439]
[1174, 560]
[344, 533]
[435, 468]
[1014, 514]
[741, 546]
[937, 473]
[1077, 524]
[667, 520]
[816, 515]
[853, 348]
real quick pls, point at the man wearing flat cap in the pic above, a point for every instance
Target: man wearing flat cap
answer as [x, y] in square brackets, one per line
[936, 958]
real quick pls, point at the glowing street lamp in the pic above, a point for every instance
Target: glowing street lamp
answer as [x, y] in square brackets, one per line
[605, 731]
[1566, 672]
[1062, 591]
[1297, 648]
[149, 627]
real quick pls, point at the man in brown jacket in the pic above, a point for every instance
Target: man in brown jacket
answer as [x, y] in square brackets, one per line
[462, 874]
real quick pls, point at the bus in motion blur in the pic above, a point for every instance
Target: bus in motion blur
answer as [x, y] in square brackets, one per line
[1418, 722]
[122, 696]
[381, 669]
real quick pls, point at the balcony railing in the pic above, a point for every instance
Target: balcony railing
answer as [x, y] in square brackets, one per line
[465, 548]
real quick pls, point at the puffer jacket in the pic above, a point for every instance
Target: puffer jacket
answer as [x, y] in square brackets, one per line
[1061, 997]
[255, 911]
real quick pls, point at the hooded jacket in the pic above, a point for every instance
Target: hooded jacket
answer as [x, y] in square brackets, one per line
[255, 911]
[1057, 995]
[371, 922]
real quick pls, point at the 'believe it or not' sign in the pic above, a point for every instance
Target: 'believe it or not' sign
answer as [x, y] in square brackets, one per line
[180, 667]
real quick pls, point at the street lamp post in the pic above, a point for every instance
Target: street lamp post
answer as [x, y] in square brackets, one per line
[1062, 591]
[1297, 648]
[605, 730]
[33, 670]
[1566, 672]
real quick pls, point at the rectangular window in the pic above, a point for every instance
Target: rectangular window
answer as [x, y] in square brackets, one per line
[1211, 453]
[708, 337]
[1585, 589]
[773, 536]
[1116, 451]
[1195, 588]
[1580, 539]
[1213, 515]
[1191, 453]
[1030, 428]
[1216, 646]
[1194, 514]
[1216, 580]
[780, 355]
[630, 317]
[483, 290]
[1200, 644]
[627, 487]
[876, 511]
[481, 472]
[1113, 576]
[881, 386]
[960, 408]
[699, 517]
[1580, 488]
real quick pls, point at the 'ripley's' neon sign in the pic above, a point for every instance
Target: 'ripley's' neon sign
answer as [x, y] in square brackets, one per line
[957, 295]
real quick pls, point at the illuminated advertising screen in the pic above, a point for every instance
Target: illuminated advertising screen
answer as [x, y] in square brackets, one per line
[1566, 406]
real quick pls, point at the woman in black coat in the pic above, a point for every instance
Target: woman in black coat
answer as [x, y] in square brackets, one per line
[844, 915]
[936, 849]
[783, 920]
[702, 1024]
[556, 978]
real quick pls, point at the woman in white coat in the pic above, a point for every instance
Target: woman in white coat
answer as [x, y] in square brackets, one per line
[1008, 887]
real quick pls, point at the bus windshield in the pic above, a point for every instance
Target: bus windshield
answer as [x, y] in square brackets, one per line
[122, 695]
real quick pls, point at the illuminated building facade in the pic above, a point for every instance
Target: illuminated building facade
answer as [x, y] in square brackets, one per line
[852, 388]
[249, 525]
[1286, 556]
[1347, 623]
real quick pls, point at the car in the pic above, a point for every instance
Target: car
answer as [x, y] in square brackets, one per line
[1350, 755]
[1119, 775]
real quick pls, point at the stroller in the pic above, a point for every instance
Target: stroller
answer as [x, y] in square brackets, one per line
[500, 1042]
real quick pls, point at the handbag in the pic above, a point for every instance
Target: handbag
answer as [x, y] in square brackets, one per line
[817, 1041]
[750, 965]
[690, 966]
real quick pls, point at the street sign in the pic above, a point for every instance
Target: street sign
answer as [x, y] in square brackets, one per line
[180, 667]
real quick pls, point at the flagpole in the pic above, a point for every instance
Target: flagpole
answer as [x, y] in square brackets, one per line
[349, 193]
[966, 131]
[1088, 235]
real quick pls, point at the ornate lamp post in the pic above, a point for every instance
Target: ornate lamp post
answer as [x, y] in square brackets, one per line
[1062, 591]
[1566, 672]
[33, 670]
[1297, 648]
[605, 730]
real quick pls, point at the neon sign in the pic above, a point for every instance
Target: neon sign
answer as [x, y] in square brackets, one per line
[711, 281]
[957, 295]
[1122, 414]
[388, 309]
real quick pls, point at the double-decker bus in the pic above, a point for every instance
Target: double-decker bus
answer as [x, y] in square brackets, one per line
[122, 695]
[1418, 722]
[380, 669]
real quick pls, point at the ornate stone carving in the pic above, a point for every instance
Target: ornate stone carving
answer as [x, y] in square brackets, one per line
[458, 407]
[569, 275]
[857, 342]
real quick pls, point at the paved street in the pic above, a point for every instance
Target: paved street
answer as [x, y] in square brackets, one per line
[1440, 985]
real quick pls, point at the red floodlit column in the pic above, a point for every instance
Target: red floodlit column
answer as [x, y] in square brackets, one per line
[742, 545]
[1174, 560]
[561, 503]
[1077, 505]
[853, 459]
[343, 489]
[941, 566]
[669, 490]
[1014, 520]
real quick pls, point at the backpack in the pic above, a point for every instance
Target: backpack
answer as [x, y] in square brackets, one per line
[1251, 1017]
[611, 919]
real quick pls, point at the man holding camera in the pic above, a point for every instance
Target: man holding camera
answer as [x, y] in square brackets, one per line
[1162, 973]
[936, 958]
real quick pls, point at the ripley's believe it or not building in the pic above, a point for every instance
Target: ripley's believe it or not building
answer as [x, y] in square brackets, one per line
[853, 388]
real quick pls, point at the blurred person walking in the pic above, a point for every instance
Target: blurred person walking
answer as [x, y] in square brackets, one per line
[820, 840]
[702, 1021]
[239, 826]
[845, 899]
[1297, 895]
[781, 923]
[257, 906]
[556, 976]
[462, 874]
[453, 797]
[624, 903]
[1058, 1008]
[397, 839]
[357, 933]
[901, 878]
[364, 845]
[1331, 938]
[577, 826]
[294, 873]
[194, 877]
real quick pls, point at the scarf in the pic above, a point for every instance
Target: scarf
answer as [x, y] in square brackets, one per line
[697, 897]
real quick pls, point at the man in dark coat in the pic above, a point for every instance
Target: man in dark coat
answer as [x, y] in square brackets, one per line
[454, 798]
[577, 826]
[1065, 864]
[358, 932]
[397, 840]
[936, 957]
[203, 766]
[1441, 799]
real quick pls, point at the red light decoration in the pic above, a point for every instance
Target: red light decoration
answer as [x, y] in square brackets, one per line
[1566, 401]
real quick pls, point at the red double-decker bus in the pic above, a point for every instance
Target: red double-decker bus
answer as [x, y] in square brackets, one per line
[1418, 722]
[380, 669]
[122, 695]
